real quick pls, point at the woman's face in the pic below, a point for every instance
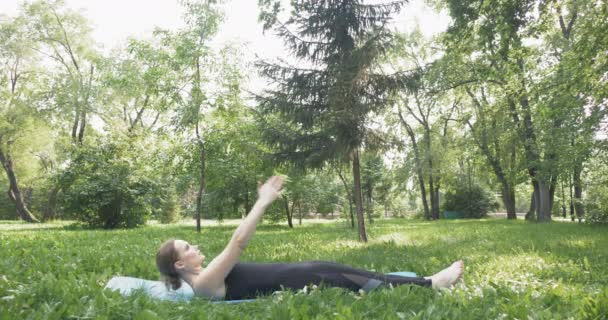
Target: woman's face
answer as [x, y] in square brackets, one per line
[190, 258]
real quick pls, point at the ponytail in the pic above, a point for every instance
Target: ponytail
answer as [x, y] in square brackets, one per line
[165, 260]
[172, 282]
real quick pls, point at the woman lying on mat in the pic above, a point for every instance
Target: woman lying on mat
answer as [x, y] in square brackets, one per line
[226, 278]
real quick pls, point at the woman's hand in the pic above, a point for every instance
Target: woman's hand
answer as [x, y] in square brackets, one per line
[270, 190]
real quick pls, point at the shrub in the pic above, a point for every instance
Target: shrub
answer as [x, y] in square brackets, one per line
[7, 209]
[473, 202]
[596, 216]
[106, 187]
[597, 206]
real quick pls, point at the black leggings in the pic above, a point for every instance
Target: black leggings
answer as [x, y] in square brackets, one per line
[249, 280]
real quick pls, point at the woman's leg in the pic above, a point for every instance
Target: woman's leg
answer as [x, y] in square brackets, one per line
[338, 275]
[248, 280]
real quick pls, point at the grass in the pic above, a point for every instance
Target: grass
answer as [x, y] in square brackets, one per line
[513, 270]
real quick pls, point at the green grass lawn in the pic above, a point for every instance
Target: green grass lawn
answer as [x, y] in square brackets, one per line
[513, 270]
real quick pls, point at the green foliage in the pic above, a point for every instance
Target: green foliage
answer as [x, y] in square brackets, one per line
[170, 208]
[597, 205]
[314, 115]
[473, 201]
[373, 174]
[7, 207]
[595, 307]
[234, 161]
[595, 201]
[107, 186]
[554, 113]
[597, 215]
[549, 271]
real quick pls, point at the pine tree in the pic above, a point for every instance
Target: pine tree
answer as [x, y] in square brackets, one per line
[316, 111]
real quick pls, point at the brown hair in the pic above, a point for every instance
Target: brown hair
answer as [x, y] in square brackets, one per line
[165, 262]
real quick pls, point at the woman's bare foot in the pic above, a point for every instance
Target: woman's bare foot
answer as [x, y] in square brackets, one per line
[448, 276]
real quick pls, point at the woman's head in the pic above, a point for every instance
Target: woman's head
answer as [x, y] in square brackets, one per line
[175, 258]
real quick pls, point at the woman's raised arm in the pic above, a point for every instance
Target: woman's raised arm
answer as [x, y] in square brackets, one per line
[212, 277]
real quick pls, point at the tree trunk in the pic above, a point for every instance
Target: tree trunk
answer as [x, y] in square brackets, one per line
[196, 97]
[201, 189]
[543, 190]
[543, 201]
[571, 198]
[578, 193]
[370, 208]
[418, 166]
[300, 211]
[350, 198]
[83, 124]
[434, 210]
[49, 211]
[508, 197]
[287, 212]
[75, 125]
[358, 196]
[437, 185]
[291, 211]
[432, 192]
[14, 192]
[563, 201]
[247, 205]
[552, 188]
[425, 204]
[531, 214]
[352, 212]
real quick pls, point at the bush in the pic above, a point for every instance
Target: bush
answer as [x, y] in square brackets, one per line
[597, 206]
[7, 209]
[596, 216]
[105, 187]
[473, 202]
[419, 214]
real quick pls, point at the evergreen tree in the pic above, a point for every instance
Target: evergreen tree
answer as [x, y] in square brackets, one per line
[317, 111]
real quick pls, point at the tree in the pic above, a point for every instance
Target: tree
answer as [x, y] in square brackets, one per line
[192, 59]
[575, 46]
[494, 135]
[298, 189]
[348, 189]
[426, 157]
[142, 85]
[371, 177]
[19, 86]
[62, 37]
[426, 109]
[235, 165]
[325, 101]
[497, 37]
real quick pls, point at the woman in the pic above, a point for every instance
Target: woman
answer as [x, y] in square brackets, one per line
[226, 278]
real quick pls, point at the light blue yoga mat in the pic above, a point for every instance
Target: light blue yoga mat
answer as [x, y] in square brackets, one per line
[156, 289]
